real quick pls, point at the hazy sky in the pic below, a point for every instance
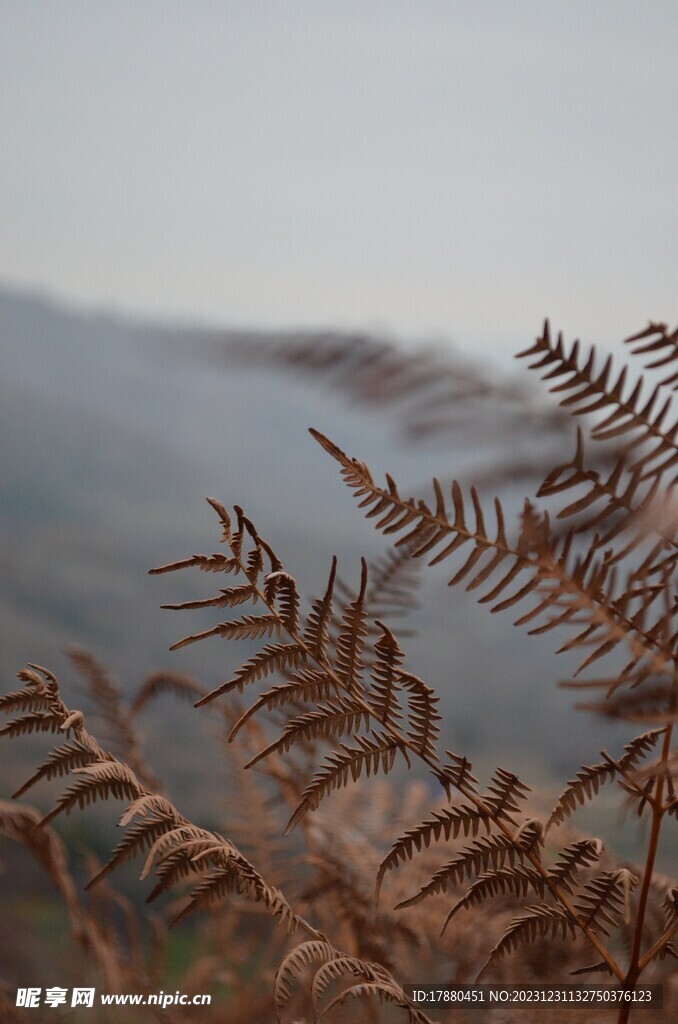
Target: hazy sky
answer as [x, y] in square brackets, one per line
[451, 167]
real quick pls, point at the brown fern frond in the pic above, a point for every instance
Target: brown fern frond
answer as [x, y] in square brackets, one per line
[337, 718]
[250, 627]
[457, 774]
[272, 658]
[338, 968]
[372, 753]
[599, 968]
[627, 415]
[137, 839]
[182, 686]
[316, 630]
[299, 958]
[505, 794]
[579, 854]
[485, 854]
[351, 639]
[604, 898]
[448, 822]
[27, 699]
[37, 721]
[385, 993]
[590, 778]
[661, 344]
[207, 563]
[229, 598]
[385, 678]
[231, 879]
[422, 715]
[100, 781]
[305, 686]
[515, 881]
[539, 921]
[61, 761]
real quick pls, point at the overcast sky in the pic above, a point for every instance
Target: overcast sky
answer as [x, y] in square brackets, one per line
[446, 168]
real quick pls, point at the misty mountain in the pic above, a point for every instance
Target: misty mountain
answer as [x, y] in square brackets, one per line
[114, 431]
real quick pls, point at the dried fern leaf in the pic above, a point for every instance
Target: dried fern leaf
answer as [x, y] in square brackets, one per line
[61, 761]
[578, 855]
[372, 753]
[505, 794]
[383, 696]
[457, 774]
[305, 686]
[337, 718]
[446, 823]
[299, 958]
[385, 993]
[590, 778]
[422, 715]
[604, 898]
[37, 721]
[207, 563]
[100, 780]
[229, 598]
[316, 630]
[539, 921]
[351, 640]
[662, 345]
[272, 658]
[138, 839]
[515, 881]
[166, 682]
[334, 969]
[485, 854]
[250, 627]
[27, 699]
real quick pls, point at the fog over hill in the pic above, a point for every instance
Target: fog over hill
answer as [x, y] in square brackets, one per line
[113, 434]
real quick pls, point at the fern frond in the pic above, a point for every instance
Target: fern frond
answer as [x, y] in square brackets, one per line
[627, 415]
[250, 627]
[448, 822]
[61, 761]
[483, 855]
[272, 658]
[539, 921]
[299, 958]
[515, 881]
[372, 753]
[305, 686]
[578, 855]
[158, 683]
[138, 839]
[316, 630]
[457, 774]
[505, 794]
[337, 718]
[603, 899]
[207, 563]
[27, 699]
[422, 715]
[37, 721]
[661, 345]
[100, 781]
[337, 968]
[590, 778]
[386, 993]
[383, 695]
[351, 640]
[225, 599]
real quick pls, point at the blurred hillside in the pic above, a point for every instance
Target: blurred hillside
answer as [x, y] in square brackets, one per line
[115, 431]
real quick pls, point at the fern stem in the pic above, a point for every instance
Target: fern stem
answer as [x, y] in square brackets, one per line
[637, 964]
